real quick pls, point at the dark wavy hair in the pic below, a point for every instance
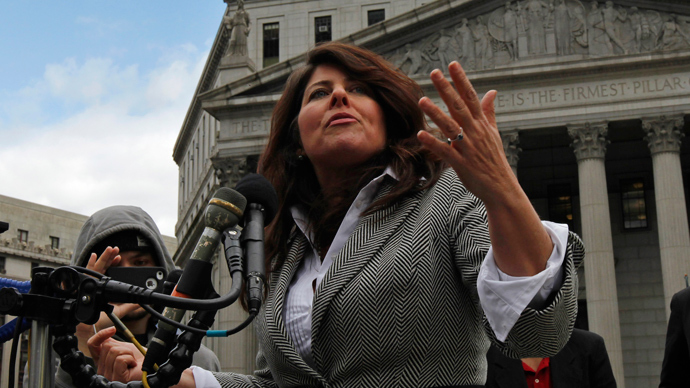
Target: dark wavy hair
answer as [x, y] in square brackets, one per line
[295, 180]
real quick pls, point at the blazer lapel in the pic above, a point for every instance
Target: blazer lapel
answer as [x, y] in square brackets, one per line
[565, 372]
[275, 325]
[370, 236]
[509, 373]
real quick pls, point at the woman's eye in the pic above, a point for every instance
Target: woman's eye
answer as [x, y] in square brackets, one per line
[359, 90]
[318, 94]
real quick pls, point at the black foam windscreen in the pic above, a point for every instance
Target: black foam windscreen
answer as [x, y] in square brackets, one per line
[258, 189]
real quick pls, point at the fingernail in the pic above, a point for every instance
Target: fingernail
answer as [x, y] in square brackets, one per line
[436, 74]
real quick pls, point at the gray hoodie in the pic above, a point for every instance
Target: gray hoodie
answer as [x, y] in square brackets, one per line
[103, 224]
[106, 222]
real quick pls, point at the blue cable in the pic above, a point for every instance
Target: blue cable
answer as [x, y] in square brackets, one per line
[7, 330]
[23, 287]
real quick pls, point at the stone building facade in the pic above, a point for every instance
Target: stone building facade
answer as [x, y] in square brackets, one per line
[42, 236]
[592, 105]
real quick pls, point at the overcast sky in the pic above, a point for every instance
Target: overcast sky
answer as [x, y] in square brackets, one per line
[92, 97]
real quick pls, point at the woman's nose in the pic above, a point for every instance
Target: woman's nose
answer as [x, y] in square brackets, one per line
[339, 98]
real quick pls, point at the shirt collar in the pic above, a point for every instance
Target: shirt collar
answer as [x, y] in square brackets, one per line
[367, 193]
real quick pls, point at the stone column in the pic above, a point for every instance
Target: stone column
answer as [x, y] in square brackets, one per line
[511, 140]
[589, 144]
[663, 137]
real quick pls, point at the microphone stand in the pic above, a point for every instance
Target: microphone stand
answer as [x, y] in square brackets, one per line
[60, 298]
[41, 367]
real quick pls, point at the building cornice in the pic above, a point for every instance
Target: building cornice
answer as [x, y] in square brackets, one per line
[12, 247]
[205, 83]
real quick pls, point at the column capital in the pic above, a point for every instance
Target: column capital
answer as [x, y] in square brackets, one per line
[663, 133]
[229, 170]
[511, 142]
[589, 140]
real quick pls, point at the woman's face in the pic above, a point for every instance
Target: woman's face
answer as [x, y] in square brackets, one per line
[340, 123]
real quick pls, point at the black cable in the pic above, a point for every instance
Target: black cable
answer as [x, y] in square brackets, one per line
[242, 325]
[126, 293]
[194, 329]
[173, 322]
[13, 353]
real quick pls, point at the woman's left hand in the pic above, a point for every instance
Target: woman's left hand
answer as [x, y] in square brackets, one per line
[520, 243]
[479, 158]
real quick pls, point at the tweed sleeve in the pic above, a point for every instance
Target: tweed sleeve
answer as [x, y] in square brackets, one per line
[261, 378]
[543, 332]
[537, 332]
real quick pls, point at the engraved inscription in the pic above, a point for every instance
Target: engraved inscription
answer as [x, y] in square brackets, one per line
[250, 127]
[629, 89]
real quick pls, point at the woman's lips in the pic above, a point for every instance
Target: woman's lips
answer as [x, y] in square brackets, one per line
[341, 121]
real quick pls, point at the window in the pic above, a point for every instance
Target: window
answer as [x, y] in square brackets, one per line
[54, 242]
[561, 204]
[322, 28]
[2, 266]
[23, 236]
[633, 203]
[376, 15]
[271, 43]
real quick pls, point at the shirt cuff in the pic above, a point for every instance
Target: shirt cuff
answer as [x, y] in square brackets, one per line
[204, 378]
[504, 297]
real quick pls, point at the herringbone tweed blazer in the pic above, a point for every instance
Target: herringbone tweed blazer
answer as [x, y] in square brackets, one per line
[399, 305]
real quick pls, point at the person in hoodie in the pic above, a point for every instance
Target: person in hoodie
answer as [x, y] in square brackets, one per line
[124, 236]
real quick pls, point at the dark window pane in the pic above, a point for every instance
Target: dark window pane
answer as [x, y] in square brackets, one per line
[633, 204]
[376, 15]
[322, 28]
[561, 204]
[271, 43]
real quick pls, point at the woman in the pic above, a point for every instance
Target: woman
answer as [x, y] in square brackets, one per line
[377, 248]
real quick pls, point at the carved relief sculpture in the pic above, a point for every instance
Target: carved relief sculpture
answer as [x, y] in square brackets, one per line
[672, 36]
[239, 28]
[493, 39]
[504, 28]
[598, 39]
[562, 29]
[465, 41]
[482, 46]
[637, 23]
[444, 50]
[537, 18]
[411, 62]
[611, 15]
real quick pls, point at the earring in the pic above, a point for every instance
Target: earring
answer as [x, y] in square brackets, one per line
[300, 157]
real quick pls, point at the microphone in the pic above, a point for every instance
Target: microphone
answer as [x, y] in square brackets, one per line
[225, 209]
[263, 206]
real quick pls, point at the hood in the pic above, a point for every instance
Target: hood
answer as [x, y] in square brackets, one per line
[114, 219]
